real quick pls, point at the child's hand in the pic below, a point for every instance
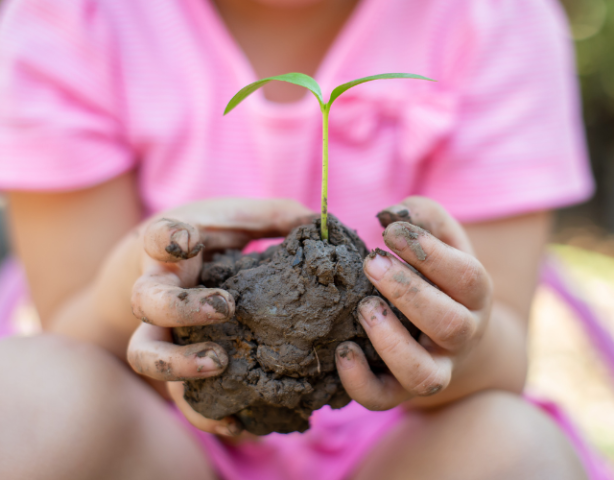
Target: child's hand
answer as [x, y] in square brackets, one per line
[166, 295]
[452, 316]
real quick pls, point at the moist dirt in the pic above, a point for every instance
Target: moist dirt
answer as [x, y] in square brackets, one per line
[295, 303]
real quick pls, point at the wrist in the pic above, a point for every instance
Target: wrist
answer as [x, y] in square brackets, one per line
[100, 312]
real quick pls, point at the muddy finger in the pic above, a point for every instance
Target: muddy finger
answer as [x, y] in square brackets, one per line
[158, 299]
[421, 372]
[458, 274]
[449, 323]
[152, 354]
[168, 240]
[362, 385]
[430, 216]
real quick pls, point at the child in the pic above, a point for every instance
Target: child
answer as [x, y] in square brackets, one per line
[111, 125]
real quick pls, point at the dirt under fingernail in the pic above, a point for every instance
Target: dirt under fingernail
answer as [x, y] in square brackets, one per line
[218, 303]
[175, 250]
[346, 353]
[209, 353]
[378, 251]
[182, 238]
[386, 217]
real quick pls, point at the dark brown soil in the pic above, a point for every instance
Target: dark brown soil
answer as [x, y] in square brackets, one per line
[294, 304]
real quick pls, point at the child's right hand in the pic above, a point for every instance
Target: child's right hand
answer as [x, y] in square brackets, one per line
[167, 295]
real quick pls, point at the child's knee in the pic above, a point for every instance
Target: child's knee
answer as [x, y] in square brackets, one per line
[518, 439]
[60, 400]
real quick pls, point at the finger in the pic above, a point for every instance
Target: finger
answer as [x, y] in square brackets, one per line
[258, 218]
[449, 323]
[228, 427]
[455, 272]
[152, 353]
[170, 240]
[430, 216]
[221, 224]
[362, 385]
[421, 372]
[157, 298]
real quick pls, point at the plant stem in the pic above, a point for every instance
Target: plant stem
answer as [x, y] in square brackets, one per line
[324, 217]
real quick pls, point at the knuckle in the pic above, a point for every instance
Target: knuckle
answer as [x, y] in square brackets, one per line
[457, 328]
[430, 383]
[472, 276]
[390, 344]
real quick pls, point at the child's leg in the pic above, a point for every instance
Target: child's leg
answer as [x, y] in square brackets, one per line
[488, 436]
[70, 411]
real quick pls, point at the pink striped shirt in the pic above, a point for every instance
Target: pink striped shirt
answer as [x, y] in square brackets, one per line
[93, 88]
[90, 89]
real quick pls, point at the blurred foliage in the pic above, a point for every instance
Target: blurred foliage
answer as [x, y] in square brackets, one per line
[592, 24]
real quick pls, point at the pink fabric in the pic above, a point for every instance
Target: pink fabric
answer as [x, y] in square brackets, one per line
[330, 450]
[333, 449]
[13, 291]
[90, 89]
[595, 466]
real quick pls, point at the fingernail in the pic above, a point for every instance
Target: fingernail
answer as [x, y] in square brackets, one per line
[218, 304]
[378, 263]
[405, 235]
[393, 214]
[208, 360]
[345, 356]
[371, 311]
[182, 238]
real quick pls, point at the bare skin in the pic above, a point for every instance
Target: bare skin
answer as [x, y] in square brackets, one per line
[111, 324]
[104, 267]
[72, 411]
[308, 29]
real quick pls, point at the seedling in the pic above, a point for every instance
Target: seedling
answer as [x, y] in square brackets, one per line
[310, 84]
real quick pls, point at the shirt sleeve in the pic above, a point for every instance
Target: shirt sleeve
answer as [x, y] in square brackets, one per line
[518, 145]
[60, 122]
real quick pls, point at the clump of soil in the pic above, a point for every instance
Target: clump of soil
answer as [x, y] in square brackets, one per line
[295, 303]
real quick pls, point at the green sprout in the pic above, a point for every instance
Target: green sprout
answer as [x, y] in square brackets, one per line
[310, 84]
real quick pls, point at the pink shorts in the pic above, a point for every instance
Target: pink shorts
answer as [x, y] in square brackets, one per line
[330, 450]
[337, 442]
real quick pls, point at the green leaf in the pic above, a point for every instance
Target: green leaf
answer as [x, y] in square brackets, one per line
[346, 86]
[299, 79]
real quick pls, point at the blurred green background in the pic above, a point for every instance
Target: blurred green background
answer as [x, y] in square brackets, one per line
[592, 24]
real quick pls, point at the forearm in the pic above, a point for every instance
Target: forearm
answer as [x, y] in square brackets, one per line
[492, 364]
[100, 313]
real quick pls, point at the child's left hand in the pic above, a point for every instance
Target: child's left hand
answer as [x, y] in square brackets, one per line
[452, 316]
